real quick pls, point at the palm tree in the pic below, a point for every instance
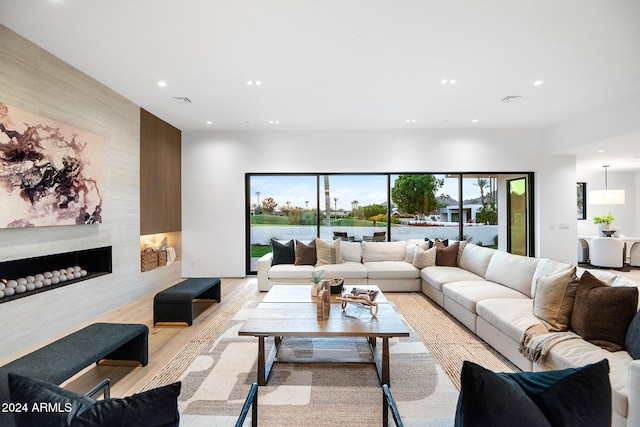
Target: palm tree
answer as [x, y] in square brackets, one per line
[327, 201]
[258, 194]
[482, 183]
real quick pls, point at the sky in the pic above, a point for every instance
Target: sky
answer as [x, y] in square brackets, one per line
[366, 189]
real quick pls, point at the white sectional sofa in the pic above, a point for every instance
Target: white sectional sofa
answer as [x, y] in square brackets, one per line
[491, 292]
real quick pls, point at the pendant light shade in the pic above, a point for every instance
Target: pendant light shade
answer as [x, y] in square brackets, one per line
[606, 196]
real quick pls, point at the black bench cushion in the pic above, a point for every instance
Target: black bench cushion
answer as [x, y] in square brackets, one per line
[60, 360]
[186, 290]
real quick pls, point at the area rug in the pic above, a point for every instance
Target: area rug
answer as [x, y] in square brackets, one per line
[215, 384]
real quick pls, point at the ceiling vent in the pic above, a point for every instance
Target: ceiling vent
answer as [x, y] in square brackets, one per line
[182, 100]
[511, 98]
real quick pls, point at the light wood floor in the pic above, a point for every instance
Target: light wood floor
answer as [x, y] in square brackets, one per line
[165, 341]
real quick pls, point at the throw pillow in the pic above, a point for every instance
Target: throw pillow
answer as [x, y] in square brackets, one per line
[424, 258]
[328, 253]
[283, 253]
[432, 242]
[632, 340]
[410, 250]
[305, 254]
[553, 301]
[157, 407]
[566, 397]
[447, 256]
[602, 314]
[351, 251]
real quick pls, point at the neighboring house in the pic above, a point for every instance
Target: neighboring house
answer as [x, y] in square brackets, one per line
[452, 213]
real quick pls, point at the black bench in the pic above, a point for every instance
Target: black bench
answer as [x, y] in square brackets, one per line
[62, 359]
[175, 304]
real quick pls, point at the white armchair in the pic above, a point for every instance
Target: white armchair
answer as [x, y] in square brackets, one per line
[607, 252]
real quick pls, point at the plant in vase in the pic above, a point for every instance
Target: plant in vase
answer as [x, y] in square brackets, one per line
[316, 279]
[604, 224]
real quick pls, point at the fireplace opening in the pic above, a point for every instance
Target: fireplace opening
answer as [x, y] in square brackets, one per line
[29, 276]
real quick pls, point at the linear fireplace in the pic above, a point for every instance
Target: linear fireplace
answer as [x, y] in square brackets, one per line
[29, 276]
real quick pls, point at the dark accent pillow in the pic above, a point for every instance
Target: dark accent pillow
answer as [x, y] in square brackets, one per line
[432, 243]
[632, 340]
[566, 397]
[283, 253]
[601, 313]
[305, 254]
[157, 407]
[447, 256]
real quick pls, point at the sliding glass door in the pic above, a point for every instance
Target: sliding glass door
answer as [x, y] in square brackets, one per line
[388, 207]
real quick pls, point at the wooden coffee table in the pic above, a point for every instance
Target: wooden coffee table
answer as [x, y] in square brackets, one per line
[290, 310]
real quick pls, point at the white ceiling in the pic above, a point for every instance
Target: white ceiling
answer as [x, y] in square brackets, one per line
[350, 64]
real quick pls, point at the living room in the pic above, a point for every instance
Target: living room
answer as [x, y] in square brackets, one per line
[53, 81]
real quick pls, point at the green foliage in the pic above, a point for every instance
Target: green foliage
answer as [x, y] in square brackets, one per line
[487, 215]
[294, 217]
[316, 276]
[269, 205]
[379, 218]
[269, 220]
[373, 210]
[603, 219]
[416, 194]
[308, 218]
[258, 250]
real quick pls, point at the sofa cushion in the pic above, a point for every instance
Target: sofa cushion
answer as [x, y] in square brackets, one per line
[601, 313]
[436, 276]
[447, 256]
[328, 252]
[156, 407]
[424, 258]
[351, 251]
[290, 271]
[346, 270]
[632, 340]
[283, 253]
[383, 251]
[514, 271]
[475, 258]
[554, 297]
[568, 397]
[468, 294]
[511, 316]
[305, 254]
[391, 270]
[572, 353]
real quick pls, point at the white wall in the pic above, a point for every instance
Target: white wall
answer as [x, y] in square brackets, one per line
[35, 81]
[215, 163]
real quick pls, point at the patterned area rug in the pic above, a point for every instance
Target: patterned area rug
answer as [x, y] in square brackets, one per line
[215, 384]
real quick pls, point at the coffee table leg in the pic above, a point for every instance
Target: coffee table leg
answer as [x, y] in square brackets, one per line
[262, 378]
[385, 361]
[265, 362]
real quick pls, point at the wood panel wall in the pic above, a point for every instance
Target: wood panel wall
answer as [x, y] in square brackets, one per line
[160, 186]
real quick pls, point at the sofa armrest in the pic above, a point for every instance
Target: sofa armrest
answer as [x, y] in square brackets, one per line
[264, 264]
[633, 405]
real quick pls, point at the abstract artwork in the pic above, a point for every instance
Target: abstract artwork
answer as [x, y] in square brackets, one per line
[50, 173]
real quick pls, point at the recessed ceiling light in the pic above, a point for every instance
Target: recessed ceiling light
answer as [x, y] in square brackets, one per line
[162, 83]
[209, 122]
[254, 82]
[274, 122]
[600, 151]
[475, 120]
[410, 121]
[447, 82]
[538, 82]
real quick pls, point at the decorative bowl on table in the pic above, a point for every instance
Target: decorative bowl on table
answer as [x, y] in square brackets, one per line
[336, 286]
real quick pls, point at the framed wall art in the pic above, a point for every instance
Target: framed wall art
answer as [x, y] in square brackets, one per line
[50, 172]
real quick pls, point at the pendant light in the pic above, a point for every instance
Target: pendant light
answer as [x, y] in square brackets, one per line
[606, 196]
